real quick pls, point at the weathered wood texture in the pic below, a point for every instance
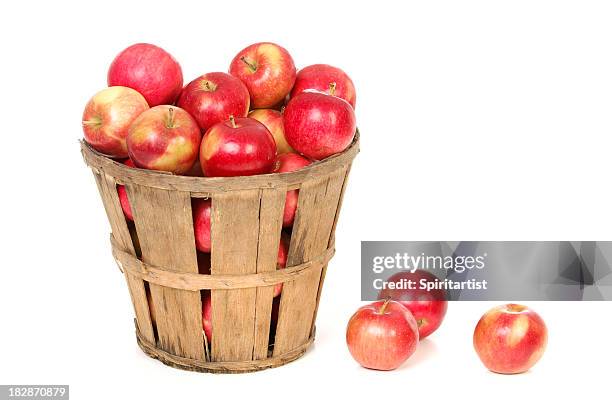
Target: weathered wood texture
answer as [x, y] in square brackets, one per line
[317, 206]
[234, 233]
[119, 227]
[270, 227]
[165, 230]
[158, 251]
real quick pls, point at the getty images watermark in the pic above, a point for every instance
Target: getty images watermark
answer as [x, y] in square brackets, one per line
[405, 262]
[489, 270]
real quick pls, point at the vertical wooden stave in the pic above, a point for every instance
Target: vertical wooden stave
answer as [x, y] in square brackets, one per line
[331, 243]
[270, 228]
[108, 192]
[317, 206]
[234, 238]
[164, 225]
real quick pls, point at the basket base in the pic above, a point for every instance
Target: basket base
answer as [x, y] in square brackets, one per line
[225, 367]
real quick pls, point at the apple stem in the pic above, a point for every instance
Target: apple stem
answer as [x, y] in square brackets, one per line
[232, 121]
[92, 122]
[384, 306]
[170, 117]
[251, 65]
[332, 88]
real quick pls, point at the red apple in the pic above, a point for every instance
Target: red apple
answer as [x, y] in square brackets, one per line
[123, 198]
[281, 262]
[427, 306]
[107, 119]
[268, 72]
[164, 138]
[150, 70]
[325, 78]
[213, 97]
[273, 120]
[382, 335]
[207, 316]
[290, 162]
[319, 125]
[510, 339]
[201, 223]
[240, 146]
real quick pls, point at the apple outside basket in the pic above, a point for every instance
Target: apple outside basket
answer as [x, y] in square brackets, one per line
[157, 255]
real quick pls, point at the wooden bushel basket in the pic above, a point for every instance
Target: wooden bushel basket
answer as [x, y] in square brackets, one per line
[158, 257]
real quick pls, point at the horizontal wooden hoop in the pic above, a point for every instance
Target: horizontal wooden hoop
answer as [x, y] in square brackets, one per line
[225, 367]
[195, 282]
[199, 186]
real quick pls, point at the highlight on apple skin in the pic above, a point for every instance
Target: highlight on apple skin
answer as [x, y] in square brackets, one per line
[150, 70]
[510, 339]
[240, 146]
[107, 118]
[164, 138]
[382, 335]
[207, 316]
[201, 223]
[319, 125]
[290, 162]
[214, 97]
[268, 72]
[273, 120]
[325, 78]
[427, 306]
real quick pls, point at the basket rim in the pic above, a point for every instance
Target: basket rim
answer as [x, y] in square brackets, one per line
[197, 184]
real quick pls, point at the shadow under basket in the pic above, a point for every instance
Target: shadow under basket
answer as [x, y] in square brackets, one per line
[251, 329]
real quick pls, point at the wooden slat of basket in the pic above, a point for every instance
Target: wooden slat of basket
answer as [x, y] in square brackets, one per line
[234, 235]
[165, 229]
[332, 241]
[317, 206]
[110, 198]
[270, 226]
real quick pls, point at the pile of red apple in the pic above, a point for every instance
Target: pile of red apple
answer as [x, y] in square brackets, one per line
[382, 335]
[236, 123]
[262, 117]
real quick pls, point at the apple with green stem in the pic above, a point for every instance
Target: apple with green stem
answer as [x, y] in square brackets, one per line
[268, 72]
[164, 138]
[382, 335]
[240, 146]
[107, 119]
[214, 97]
[427, 306]
[325, 78]
[319, 125]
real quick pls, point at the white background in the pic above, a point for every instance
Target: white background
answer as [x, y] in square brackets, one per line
[480, 120]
